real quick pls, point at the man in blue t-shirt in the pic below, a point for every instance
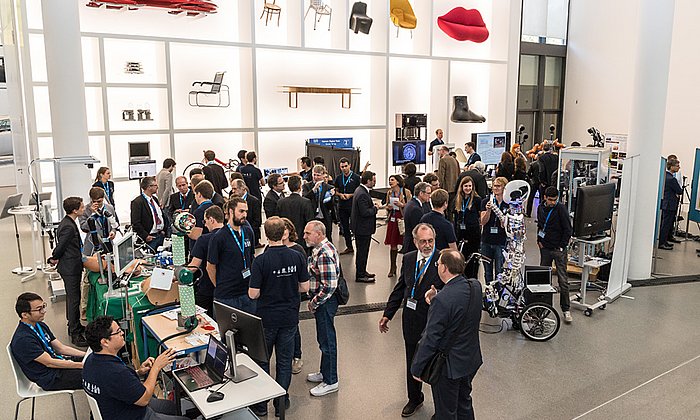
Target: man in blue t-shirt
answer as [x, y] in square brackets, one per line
[252, 175]
[444, 230]
[230, 258]
[278, 276]
[493, 234]
[117, 388]
[203, 287]
[203, 191]
[43, 359]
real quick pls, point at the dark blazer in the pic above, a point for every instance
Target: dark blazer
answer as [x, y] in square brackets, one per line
[142, 217]
[67, 250]
[254, 211]
[473, 158]
[410, 183]
[412, 213]
[672, 193]
[270, 204]
[214, 173]
[174, 203]
[218, 200]
[458, 299]
[413, 321]
[363, 217]
[548, 166]
[309, 194]
[297, 209]
[482, 188]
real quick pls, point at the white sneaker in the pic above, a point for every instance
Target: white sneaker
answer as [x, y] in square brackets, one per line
[315, 377]
[567, 317]
[323, 389]
[296, 365]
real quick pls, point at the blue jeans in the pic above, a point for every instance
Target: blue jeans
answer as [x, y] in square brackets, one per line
[242, 302]
[297, 344]
[495, 252]
[156, 242]
[325, 334]
[281, 340]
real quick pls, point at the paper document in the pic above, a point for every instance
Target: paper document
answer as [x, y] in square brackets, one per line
[161, 279]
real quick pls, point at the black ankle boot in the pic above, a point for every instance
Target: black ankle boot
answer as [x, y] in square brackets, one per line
[462, 114]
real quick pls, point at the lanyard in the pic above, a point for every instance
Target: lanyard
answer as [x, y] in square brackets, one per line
[245, 196]
[182, 200]
[547, 219]
[465, 204]
[241, 243]
[345, 181]
[418, 274]
[40, 334]
[103, 222]
[105, 185]
[203, 203]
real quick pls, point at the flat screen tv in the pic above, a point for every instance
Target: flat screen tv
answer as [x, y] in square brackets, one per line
[491, 145]
[594, 210]
[408, 151]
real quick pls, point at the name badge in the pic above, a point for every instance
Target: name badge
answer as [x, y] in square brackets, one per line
[494, 230]
[246, 273]
[541, 234]
[411, 303]
[392, 219]
[462, 226]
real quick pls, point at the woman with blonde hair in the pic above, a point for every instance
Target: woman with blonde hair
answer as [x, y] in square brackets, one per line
[467, 223]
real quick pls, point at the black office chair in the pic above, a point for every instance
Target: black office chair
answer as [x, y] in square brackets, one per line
[217, 89]
[359, 21]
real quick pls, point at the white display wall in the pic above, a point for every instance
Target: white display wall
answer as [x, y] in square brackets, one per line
[414, 72]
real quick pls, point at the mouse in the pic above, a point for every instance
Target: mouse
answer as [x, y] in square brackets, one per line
[215, 396]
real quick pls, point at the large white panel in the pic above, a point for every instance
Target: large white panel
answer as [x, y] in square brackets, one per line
[409, 87]
[160, 150]
[496, 16]
[317, 70]
[151, 55]
[91, 59]
[42, 109]
[190, 63]
[221, 26]
[37, 55]
[120, 99]
[34, 16]
[189, 147]
[98, 149]
[485, 86]
[94, 109]
[416, 41]
[375, 41]
[284, 29]
[330, 32]
[124, 192]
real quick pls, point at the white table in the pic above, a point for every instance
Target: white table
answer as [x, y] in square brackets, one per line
[236, 396]
[580, 300]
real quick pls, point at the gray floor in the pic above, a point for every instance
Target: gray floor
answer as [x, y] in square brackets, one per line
[599, 361]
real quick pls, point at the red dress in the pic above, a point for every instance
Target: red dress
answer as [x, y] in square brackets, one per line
[393, 237]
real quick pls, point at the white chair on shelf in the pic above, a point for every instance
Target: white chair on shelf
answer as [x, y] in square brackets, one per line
[27, 389]
[320, 9]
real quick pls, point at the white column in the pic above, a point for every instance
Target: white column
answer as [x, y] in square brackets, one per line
[655, 32]
[64, 66]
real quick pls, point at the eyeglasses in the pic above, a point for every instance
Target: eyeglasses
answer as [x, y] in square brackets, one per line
[119, 331]
[41, 308]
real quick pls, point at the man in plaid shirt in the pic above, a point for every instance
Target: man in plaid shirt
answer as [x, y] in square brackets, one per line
[324, 269]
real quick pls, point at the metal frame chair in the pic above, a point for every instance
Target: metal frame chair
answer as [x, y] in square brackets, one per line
[271, 9]
[217, 88]
[27, 389]
[320, 9]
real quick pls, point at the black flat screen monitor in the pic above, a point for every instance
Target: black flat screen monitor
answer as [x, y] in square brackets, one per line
[408, 151]
[491, 145]
[594, 209]
[139, 150]
[247, 329]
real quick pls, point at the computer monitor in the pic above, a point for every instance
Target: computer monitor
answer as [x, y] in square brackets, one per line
[123, 249]
[140, 150]
[490, 146]
[408, 151]
[242, 332]
[537, 274]
[594, 209]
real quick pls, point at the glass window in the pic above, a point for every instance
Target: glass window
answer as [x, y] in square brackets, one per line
[549, 119]
[528, 120]
[545, 21]
[552, 82]
[529, 74]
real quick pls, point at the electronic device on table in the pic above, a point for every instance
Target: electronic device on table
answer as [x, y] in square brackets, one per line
[140, 163]
[243, 332]
[211, 372]
[491, 145]
[123, 249]
[594, 210]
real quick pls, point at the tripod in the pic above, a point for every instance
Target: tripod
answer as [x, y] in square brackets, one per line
[685, 194]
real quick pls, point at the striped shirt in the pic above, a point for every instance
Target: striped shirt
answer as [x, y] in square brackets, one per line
[324, 268]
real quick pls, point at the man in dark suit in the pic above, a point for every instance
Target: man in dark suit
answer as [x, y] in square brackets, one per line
[240, 189]
[418, 275]
[147, 219]
[477, 176]
[412, 213]
[182, 199]
[470, 149]
[669, 203]
[69, 259]
[320, 194]
[452, 327]
[296, 208]
[346, 183]
[276, 183]
[363, 222]
[213, 172]
[549, 162]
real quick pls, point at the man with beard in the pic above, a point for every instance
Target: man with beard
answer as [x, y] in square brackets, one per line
[230, 258]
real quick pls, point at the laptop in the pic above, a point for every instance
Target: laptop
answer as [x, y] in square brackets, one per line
[209, 373]
[538, 279]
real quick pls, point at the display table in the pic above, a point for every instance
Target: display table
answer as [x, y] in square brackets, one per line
[589, 263]
[159, 327]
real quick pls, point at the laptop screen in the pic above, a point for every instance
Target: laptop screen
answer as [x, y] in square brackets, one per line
[216, 356]
[537, 275]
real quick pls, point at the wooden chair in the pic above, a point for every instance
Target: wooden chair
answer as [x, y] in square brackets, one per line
[320, 9]
[270, 9]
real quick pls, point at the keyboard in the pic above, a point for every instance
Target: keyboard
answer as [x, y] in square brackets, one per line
[199, 376]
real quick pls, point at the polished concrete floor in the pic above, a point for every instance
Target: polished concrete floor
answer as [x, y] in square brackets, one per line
[637, 359]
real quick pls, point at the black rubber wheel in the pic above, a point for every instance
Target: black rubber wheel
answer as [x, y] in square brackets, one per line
[588, 312]
[603, 307]
[539, 322]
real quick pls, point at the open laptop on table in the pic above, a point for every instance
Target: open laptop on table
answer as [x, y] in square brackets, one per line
[538, 279]
[209, 373]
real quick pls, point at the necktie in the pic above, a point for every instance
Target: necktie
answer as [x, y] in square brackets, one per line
[420, 268]
[155, 213]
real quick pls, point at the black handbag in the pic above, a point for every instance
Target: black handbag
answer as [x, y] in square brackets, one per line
[433, 369]
[342, 294]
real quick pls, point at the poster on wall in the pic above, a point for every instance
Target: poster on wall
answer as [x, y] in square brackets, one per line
[694, 211]
[338, 143]
[617, 143]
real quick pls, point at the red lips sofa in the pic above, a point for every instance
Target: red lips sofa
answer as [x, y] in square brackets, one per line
[464, 25]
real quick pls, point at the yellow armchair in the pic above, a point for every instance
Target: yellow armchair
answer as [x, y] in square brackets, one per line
[402, 15]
